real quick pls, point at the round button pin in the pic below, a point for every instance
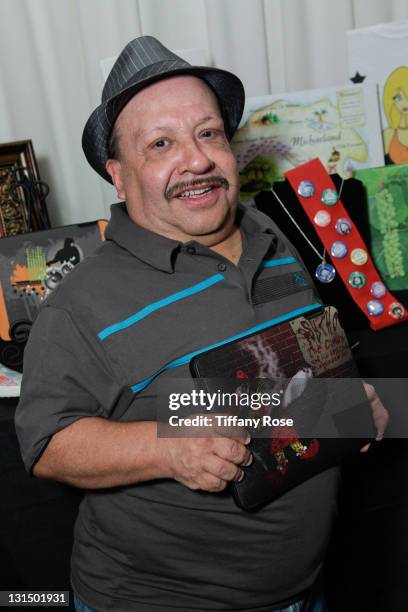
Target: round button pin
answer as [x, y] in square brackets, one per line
[357, 280]
[322, 218]
[396, 310]
[330, 197]
[338, 250]
[343, 226]
[325, 272]
[375, 308]
[359, 257]
[306, 189]
[378, 289]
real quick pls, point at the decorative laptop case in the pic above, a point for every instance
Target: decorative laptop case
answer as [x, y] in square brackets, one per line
[307, 363]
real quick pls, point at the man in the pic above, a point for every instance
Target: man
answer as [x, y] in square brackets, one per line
[179, 271]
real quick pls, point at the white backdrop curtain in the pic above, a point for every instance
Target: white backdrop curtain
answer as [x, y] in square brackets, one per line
[50, 75]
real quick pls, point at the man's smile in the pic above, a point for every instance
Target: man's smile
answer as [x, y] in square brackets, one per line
[194, 193]
[196, 188]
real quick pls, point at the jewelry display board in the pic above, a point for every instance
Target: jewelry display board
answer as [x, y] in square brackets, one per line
[349, 254]
[311, 250]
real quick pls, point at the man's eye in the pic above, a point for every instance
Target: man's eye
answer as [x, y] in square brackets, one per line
[159, 144]
[212, 133]
[398, 98]
[207, 133]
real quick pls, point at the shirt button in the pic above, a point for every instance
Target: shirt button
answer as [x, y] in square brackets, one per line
[222, 267]
[191, 250]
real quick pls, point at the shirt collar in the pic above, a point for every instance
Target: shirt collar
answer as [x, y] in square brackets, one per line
[159, 251]
[252, 221]
[154, 249]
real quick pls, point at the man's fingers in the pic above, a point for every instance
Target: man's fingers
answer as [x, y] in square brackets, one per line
[215, 475]
[370, 391]
[240, 434]
[249, 462]
[365, 448]
[222, 469]
[379, 412]
[381, 422]
[208, 463]
[232, 450]
[208, 482]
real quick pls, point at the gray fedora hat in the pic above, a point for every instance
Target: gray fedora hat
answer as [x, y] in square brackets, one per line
[143, 61]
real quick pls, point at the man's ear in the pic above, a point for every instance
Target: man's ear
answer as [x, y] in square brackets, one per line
[114, 169]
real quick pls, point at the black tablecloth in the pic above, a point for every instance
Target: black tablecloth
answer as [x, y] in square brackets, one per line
[368, 559]
[36, 520]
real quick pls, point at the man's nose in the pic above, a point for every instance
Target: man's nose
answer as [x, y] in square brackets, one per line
[193, 158]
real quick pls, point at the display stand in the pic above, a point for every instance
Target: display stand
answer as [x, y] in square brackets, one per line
[368, 556]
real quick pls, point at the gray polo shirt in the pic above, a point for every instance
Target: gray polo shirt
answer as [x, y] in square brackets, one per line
[125, 319]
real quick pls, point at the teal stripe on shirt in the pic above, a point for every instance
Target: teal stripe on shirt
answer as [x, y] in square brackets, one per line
[170, 299]
[271, 263]
[187, 358]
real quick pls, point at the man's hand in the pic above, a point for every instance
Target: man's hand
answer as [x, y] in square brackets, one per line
[207, 463]
[379, 414]
[94, 453]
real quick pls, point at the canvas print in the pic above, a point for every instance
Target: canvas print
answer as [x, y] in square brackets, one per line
[395, 115]
[378, 54]
[340, 125]
[32, 265]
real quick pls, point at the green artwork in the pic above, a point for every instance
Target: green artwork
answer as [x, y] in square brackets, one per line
[387, 194]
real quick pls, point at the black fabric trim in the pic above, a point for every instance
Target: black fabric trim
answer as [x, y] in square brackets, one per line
[277, 287]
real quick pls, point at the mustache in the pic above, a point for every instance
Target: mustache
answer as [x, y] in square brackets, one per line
[219, 181]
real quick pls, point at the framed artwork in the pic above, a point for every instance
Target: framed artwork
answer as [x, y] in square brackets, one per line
[378, 54]
[22, 193]
[31, 266]
[340, 125]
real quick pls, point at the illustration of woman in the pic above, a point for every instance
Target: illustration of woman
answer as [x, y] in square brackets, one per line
[395, 102]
